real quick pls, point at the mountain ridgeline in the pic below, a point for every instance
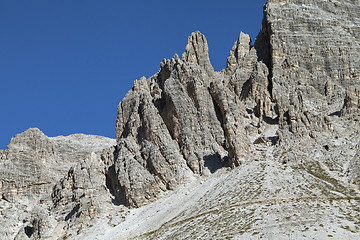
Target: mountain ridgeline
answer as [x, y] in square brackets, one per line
[275, 132]
[188, 119]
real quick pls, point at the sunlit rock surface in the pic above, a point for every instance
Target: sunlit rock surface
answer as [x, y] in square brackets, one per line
[266, 148]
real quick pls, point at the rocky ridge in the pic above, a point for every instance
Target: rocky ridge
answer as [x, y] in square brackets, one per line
[49, 183]
[284, 115]
[299, 76]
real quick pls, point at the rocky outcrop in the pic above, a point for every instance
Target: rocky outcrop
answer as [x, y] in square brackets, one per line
[301, 71]
[284, 108]
[184, 120]
[314, 57]
[239, 50]
[32, 161]
[352, 100]
[197, 52]
[353, 171]
[263, 200]
[34, 165]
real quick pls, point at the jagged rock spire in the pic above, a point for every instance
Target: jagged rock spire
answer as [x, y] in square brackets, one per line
[287, 111]
[239, 50]
[197, 51]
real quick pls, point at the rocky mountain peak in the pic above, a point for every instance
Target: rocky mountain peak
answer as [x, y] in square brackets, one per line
[211, 120]
[197, 51]
[239, 50]
[242, 153]
[29, 138]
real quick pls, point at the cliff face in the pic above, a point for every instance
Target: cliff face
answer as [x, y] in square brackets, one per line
[51, 185]
[314, 59]
[301, 76]
[284, 115]
[182, 121]
[314, 52]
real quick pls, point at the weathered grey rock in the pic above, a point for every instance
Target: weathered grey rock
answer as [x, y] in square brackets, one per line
[184, 120]
[239, 50]
[197, 52]
[85, 194]
[29, 169]
[302, 71]
[32, 161]
[265, 200]
[313, 55]
[352, 100]
[353, 171]
[312, 44]
[284, 113]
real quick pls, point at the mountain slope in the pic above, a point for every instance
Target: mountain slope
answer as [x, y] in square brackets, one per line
[266, 148]
[262, 199]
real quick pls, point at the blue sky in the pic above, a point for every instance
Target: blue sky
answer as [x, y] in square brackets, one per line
[65, 65]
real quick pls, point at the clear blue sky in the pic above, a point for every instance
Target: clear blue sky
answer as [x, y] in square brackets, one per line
[65, 65]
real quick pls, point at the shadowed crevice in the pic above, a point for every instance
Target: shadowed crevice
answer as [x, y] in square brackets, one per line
[73, 211]
[114, 187]
[29, 231]
[219, 117]
[214, 162]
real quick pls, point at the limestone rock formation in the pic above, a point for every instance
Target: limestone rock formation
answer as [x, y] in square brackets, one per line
[315, 75]
[74, 168]
[197, 52]
[182, 121]
[239, 50]
[260, 200]
[268, 147]
[300, 76]
[312, 58]
[33, 161]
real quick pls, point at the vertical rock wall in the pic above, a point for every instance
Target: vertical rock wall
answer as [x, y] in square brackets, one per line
[187, 119]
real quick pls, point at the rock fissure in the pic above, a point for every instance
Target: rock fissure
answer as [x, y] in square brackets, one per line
[219, 117]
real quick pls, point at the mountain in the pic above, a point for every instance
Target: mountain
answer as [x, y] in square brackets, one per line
[266, 148]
